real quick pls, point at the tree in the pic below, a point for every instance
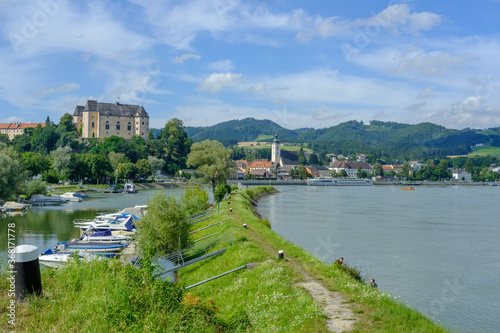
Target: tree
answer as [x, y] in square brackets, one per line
[302, 157]
[12, 173]
[97, 165]
[156, 164]
[378, 170]
[126, 170]
[406, 169]
[66, 123]
[35, 163]
[212, 159]
[36, 186]
[62, 160]
[164, 228]
[4, 138]
[116, 158]
[361, 173]
[143, 168]
[313, 159]
[469, 165]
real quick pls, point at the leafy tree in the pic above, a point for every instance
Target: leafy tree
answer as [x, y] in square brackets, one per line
[97, 165]
[176, 145]
[66, 124]
[126, 170]
[62, 159]
[36, 186]
[12, 173]
[302, 157]
[156, 164]
[343, 173]
[406, 169]
[143, 168]
[22, 143]
[116, 158]
[4, 138]
[469, 165]
[35, 163]
[323, 158]
[378, 170]
[360, 173]
[195, 200]
[164, 228]
[212, 159]
[44, 139]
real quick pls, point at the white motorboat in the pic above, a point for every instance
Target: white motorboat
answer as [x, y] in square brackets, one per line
[104, 236]
[118, 221]
[44, 200]
[56, 260]
[71, 197]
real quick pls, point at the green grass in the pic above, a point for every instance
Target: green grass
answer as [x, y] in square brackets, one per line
[265, 138]
[485, 151]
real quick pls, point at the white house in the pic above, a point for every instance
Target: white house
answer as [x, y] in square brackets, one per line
[462, 175]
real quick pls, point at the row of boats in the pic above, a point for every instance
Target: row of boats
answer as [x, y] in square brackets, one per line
[105, 236]
[53, 200]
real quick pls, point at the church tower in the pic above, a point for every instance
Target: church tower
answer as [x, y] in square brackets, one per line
[275, 150]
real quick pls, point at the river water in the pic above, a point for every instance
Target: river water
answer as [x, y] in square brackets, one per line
[437, 248]
[45, 226]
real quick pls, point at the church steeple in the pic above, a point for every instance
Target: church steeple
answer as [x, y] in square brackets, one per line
[275, 150]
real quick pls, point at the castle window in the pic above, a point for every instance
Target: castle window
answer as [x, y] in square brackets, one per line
[107, 125]
[143, 123]
[118, 125]
[129, 127]
[92, 124]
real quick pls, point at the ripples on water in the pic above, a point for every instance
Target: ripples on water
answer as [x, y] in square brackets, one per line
[437, 247]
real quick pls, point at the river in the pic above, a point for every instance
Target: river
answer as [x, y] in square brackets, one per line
[437, 248]
[45, 226]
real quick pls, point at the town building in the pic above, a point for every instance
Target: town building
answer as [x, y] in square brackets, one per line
[260, 164]
[461, 175]
[14, 129]
[351, 168]
[102, 120]
[318, 171]
[283, 157]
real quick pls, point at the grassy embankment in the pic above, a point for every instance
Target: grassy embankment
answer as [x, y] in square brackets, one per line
[485, 151]
[106, 296]
[267, 293]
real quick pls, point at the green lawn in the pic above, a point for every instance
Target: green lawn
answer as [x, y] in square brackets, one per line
[486, 150]
[264, 137]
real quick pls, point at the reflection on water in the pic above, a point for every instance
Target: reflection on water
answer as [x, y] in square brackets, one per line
[44, 227]
[420, 245]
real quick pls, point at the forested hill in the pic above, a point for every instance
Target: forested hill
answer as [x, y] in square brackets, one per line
[388, 139]
[248, 129]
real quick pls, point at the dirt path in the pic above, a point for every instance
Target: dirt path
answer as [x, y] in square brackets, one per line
[340, 316]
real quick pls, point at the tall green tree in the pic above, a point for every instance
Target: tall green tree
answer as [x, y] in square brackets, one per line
[143, 168]
[156, 164]
[61, 158]
[98, 166]
[35, 163]
[378, 170]
[12, 173]
[211, 159]
[126, 170]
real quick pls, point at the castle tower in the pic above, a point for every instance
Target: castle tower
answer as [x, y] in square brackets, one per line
[275, 150]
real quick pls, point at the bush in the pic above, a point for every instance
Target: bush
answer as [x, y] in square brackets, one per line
[36, 186]
[195, 199]
[164, 228]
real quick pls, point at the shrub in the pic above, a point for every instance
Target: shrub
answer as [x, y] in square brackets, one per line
[195, 199]
[36, 186]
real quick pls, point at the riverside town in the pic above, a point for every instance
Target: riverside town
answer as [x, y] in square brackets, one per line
[267, 166]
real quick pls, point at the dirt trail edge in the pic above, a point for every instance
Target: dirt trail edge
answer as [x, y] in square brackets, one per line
[340, 316]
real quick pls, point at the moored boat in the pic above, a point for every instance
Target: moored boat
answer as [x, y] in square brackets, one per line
[339, 182]
[409, 188]
[45, 200]
[71, 197]
[56, 260]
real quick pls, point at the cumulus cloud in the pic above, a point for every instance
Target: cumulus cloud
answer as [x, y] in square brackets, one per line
[184, 57]
[216, 81]
[394, 19]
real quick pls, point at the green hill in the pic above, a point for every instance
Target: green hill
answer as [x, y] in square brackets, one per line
[386, 139]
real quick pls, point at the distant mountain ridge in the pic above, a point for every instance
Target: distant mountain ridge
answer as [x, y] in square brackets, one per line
[389, 139]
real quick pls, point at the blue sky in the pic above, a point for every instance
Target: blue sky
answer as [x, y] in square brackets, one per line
[299, 63]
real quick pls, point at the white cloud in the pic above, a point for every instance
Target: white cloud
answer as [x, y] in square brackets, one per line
[425, 93]
[216, 81]
[221, 66]
[394, 19]
[184, 57]
[62, 89]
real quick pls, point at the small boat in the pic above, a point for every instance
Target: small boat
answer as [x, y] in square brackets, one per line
[105, 236]
[45, 200]
[117, 221]
[91, 247]
[409, 188]
[56, 260]
[71, 197]
[129, 187]
[12, 206]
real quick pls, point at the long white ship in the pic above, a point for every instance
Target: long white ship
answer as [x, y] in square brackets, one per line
[339, 182]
